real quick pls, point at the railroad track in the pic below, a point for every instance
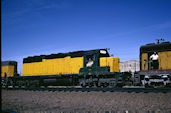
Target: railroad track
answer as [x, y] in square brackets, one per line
[104, 111]
[129, 90]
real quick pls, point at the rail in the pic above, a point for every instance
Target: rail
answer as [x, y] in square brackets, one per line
[129, 90]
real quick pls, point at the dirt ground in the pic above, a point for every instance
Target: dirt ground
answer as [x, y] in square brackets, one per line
[46, 102]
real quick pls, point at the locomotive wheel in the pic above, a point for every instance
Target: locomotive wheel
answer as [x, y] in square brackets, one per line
[102, 85]
[27, 84]
[83, 85]
[90, 84]
[45, 85]
[168, 86]
[19, 84]
[106, 84]
[97, 84]
[119, 85]
[147, 86]
[6, 84]
[11, 83]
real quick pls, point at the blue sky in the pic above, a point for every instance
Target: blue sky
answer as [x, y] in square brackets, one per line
[35, 27]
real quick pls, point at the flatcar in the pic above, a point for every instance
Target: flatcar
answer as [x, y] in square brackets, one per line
[157, 71]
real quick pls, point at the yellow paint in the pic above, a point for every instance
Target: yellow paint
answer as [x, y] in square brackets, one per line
[112, 62]
[144, 61]
[65, 65]
[164, 60]
[9, 70]
[56, 66]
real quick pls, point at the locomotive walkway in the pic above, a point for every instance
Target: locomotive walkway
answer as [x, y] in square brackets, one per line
[129, 90]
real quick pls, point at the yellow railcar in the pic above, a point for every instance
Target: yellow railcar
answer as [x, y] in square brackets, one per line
[155, 64]
[8, 68]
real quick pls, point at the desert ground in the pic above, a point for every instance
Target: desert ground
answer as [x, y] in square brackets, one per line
[60, 101]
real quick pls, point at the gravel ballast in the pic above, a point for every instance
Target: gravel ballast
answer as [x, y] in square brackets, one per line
[47, 101]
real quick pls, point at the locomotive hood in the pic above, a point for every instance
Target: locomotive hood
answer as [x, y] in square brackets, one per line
[101, 52]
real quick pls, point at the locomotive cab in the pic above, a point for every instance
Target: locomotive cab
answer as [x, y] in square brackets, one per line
[99, 69]
[163, 50]
[92, 62]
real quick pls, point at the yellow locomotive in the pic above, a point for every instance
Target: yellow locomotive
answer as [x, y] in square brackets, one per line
[85, 68]
[155, 64]
[69, 63]
[8, 69]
